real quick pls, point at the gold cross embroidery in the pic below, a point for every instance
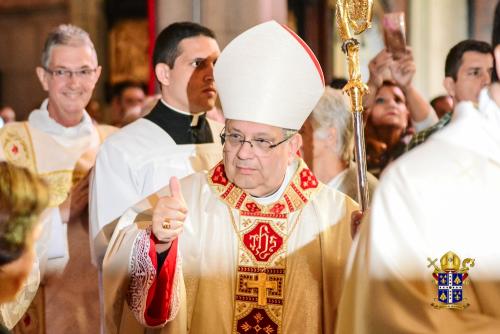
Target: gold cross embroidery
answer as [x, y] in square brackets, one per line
[262, 284]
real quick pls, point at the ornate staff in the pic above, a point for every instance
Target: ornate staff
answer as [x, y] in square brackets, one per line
[356, 15]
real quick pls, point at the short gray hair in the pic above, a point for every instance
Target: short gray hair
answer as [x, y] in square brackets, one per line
[65, 34]
[333, 111]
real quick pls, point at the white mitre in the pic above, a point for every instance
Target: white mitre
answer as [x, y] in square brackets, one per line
[269, 75]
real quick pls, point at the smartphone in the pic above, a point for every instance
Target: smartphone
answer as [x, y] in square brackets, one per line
[394, 33]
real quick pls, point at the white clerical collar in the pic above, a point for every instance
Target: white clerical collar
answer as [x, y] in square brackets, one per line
[40, 119]
[290, 171]
[196, 117]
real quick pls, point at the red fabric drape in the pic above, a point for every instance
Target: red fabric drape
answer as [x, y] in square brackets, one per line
[152, 37]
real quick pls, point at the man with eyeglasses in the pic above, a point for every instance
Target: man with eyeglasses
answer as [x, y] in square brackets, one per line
[263, 243]
[59, 142]
[174, 139]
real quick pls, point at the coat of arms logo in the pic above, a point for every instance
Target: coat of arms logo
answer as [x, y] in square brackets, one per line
[450, 279]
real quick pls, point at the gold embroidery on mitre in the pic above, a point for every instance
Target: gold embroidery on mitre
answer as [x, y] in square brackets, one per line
[450, 262]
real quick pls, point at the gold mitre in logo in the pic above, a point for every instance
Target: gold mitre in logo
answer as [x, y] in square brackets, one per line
[450, 279]
[450, 262]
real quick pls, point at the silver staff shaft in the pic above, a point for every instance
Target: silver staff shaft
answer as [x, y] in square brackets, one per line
[355, 89]
[359, 153]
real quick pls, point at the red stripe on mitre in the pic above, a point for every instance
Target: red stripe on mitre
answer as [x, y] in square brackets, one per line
[309, 51]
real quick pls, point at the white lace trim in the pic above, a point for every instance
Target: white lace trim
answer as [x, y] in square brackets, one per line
[11, 313]
[142, 275]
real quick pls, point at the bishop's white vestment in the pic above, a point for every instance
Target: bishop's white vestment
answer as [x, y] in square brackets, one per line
[241, 264]
[62, 156]
[441, 196]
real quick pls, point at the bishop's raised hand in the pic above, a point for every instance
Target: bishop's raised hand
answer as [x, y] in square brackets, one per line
[169, 215]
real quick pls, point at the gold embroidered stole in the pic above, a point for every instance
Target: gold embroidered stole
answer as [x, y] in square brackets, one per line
[17, 146]
[263, 232]
[18, 149]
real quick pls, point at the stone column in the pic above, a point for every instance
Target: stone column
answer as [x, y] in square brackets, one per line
[227, 18]
[24, 25]
[169, 11]
[89, 15]
[481, 15]
[435, 26]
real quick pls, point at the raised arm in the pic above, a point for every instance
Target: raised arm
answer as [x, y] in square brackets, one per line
[403, 71]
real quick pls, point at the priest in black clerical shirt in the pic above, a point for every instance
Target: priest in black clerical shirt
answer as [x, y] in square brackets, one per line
[175, 139]
[184, 128]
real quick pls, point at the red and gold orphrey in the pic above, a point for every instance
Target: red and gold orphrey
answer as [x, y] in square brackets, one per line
[262, 250]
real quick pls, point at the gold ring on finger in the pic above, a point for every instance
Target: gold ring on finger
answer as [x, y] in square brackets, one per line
[166, 225]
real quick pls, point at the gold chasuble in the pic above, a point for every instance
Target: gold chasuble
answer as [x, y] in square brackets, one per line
[60, 167]
[248, 266]
[263, 231]
[62, 162]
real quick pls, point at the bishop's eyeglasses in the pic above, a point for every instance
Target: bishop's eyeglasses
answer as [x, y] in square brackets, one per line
[66, 74]
[260, 146]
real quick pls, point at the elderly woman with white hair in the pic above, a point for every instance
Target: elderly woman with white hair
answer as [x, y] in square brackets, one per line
[329, 142]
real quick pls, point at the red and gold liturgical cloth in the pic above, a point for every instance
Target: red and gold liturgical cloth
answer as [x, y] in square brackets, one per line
[263, 231]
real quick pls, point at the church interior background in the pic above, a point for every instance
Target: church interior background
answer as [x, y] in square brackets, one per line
[122, 31]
